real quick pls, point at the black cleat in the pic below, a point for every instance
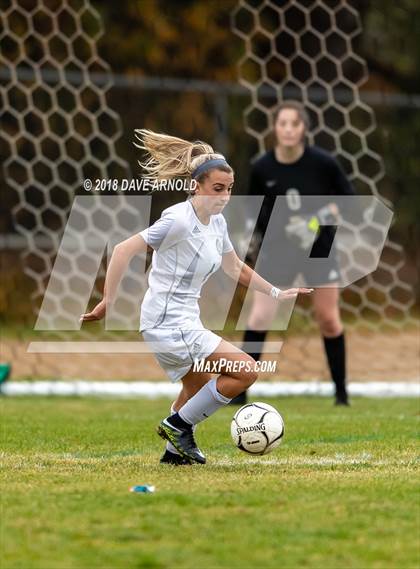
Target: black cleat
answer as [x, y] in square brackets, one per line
[169, 457]
[183, 441]
[341, 399]
[240, 399]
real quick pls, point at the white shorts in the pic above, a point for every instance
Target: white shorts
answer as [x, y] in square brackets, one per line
[176, 350]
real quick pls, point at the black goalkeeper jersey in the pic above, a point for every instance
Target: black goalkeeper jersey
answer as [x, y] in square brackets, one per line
[315, 173]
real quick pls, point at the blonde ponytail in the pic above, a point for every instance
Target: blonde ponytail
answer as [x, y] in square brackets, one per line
[171, 157]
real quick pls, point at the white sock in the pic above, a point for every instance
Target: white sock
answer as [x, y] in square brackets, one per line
[203, 404]
[169, 446]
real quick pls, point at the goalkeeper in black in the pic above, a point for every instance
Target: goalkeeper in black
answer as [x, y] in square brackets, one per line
[294, 169]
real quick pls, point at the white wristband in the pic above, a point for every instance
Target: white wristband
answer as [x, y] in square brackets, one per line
[275, 292]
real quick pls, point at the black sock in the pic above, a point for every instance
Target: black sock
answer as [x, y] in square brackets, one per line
[176, 421]
[336, 356]
[258, 338]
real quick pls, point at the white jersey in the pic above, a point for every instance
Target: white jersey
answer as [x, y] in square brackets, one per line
[186, 253]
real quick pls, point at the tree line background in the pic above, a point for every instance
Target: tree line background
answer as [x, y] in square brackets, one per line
[193, 40]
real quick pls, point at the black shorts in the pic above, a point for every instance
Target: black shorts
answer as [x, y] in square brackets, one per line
[282, 271]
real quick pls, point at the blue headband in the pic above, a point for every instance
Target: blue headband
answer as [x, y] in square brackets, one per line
[213, 163]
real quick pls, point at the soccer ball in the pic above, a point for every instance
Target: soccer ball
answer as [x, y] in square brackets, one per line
[257, 428]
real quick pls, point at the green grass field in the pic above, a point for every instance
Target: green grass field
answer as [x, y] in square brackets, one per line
[341, 491]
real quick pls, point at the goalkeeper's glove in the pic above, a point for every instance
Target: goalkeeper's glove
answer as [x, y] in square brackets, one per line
[302, 230]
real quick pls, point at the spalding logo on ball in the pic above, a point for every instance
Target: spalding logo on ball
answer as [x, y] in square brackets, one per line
[257, 428]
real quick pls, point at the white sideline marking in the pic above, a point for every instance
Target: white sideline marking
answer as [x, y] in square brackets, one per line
[338, 459]
[19, 461]
[155, 389]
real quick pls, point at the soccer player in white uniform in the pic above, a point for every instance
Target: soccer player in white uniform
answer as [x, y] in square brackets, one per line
[190, 243]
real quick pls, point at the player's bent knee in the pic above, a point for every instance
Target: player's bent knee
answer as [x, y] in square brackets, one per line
[260, 322]
[330, 326]
[250, 376]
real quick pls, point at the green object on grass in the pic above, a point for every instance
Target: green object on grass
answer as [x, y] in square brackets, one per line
[4, 372]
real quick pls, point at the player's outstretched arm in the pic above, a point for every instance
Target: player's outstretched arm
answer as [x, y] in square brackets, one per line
[120, 258]
[240, 271]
